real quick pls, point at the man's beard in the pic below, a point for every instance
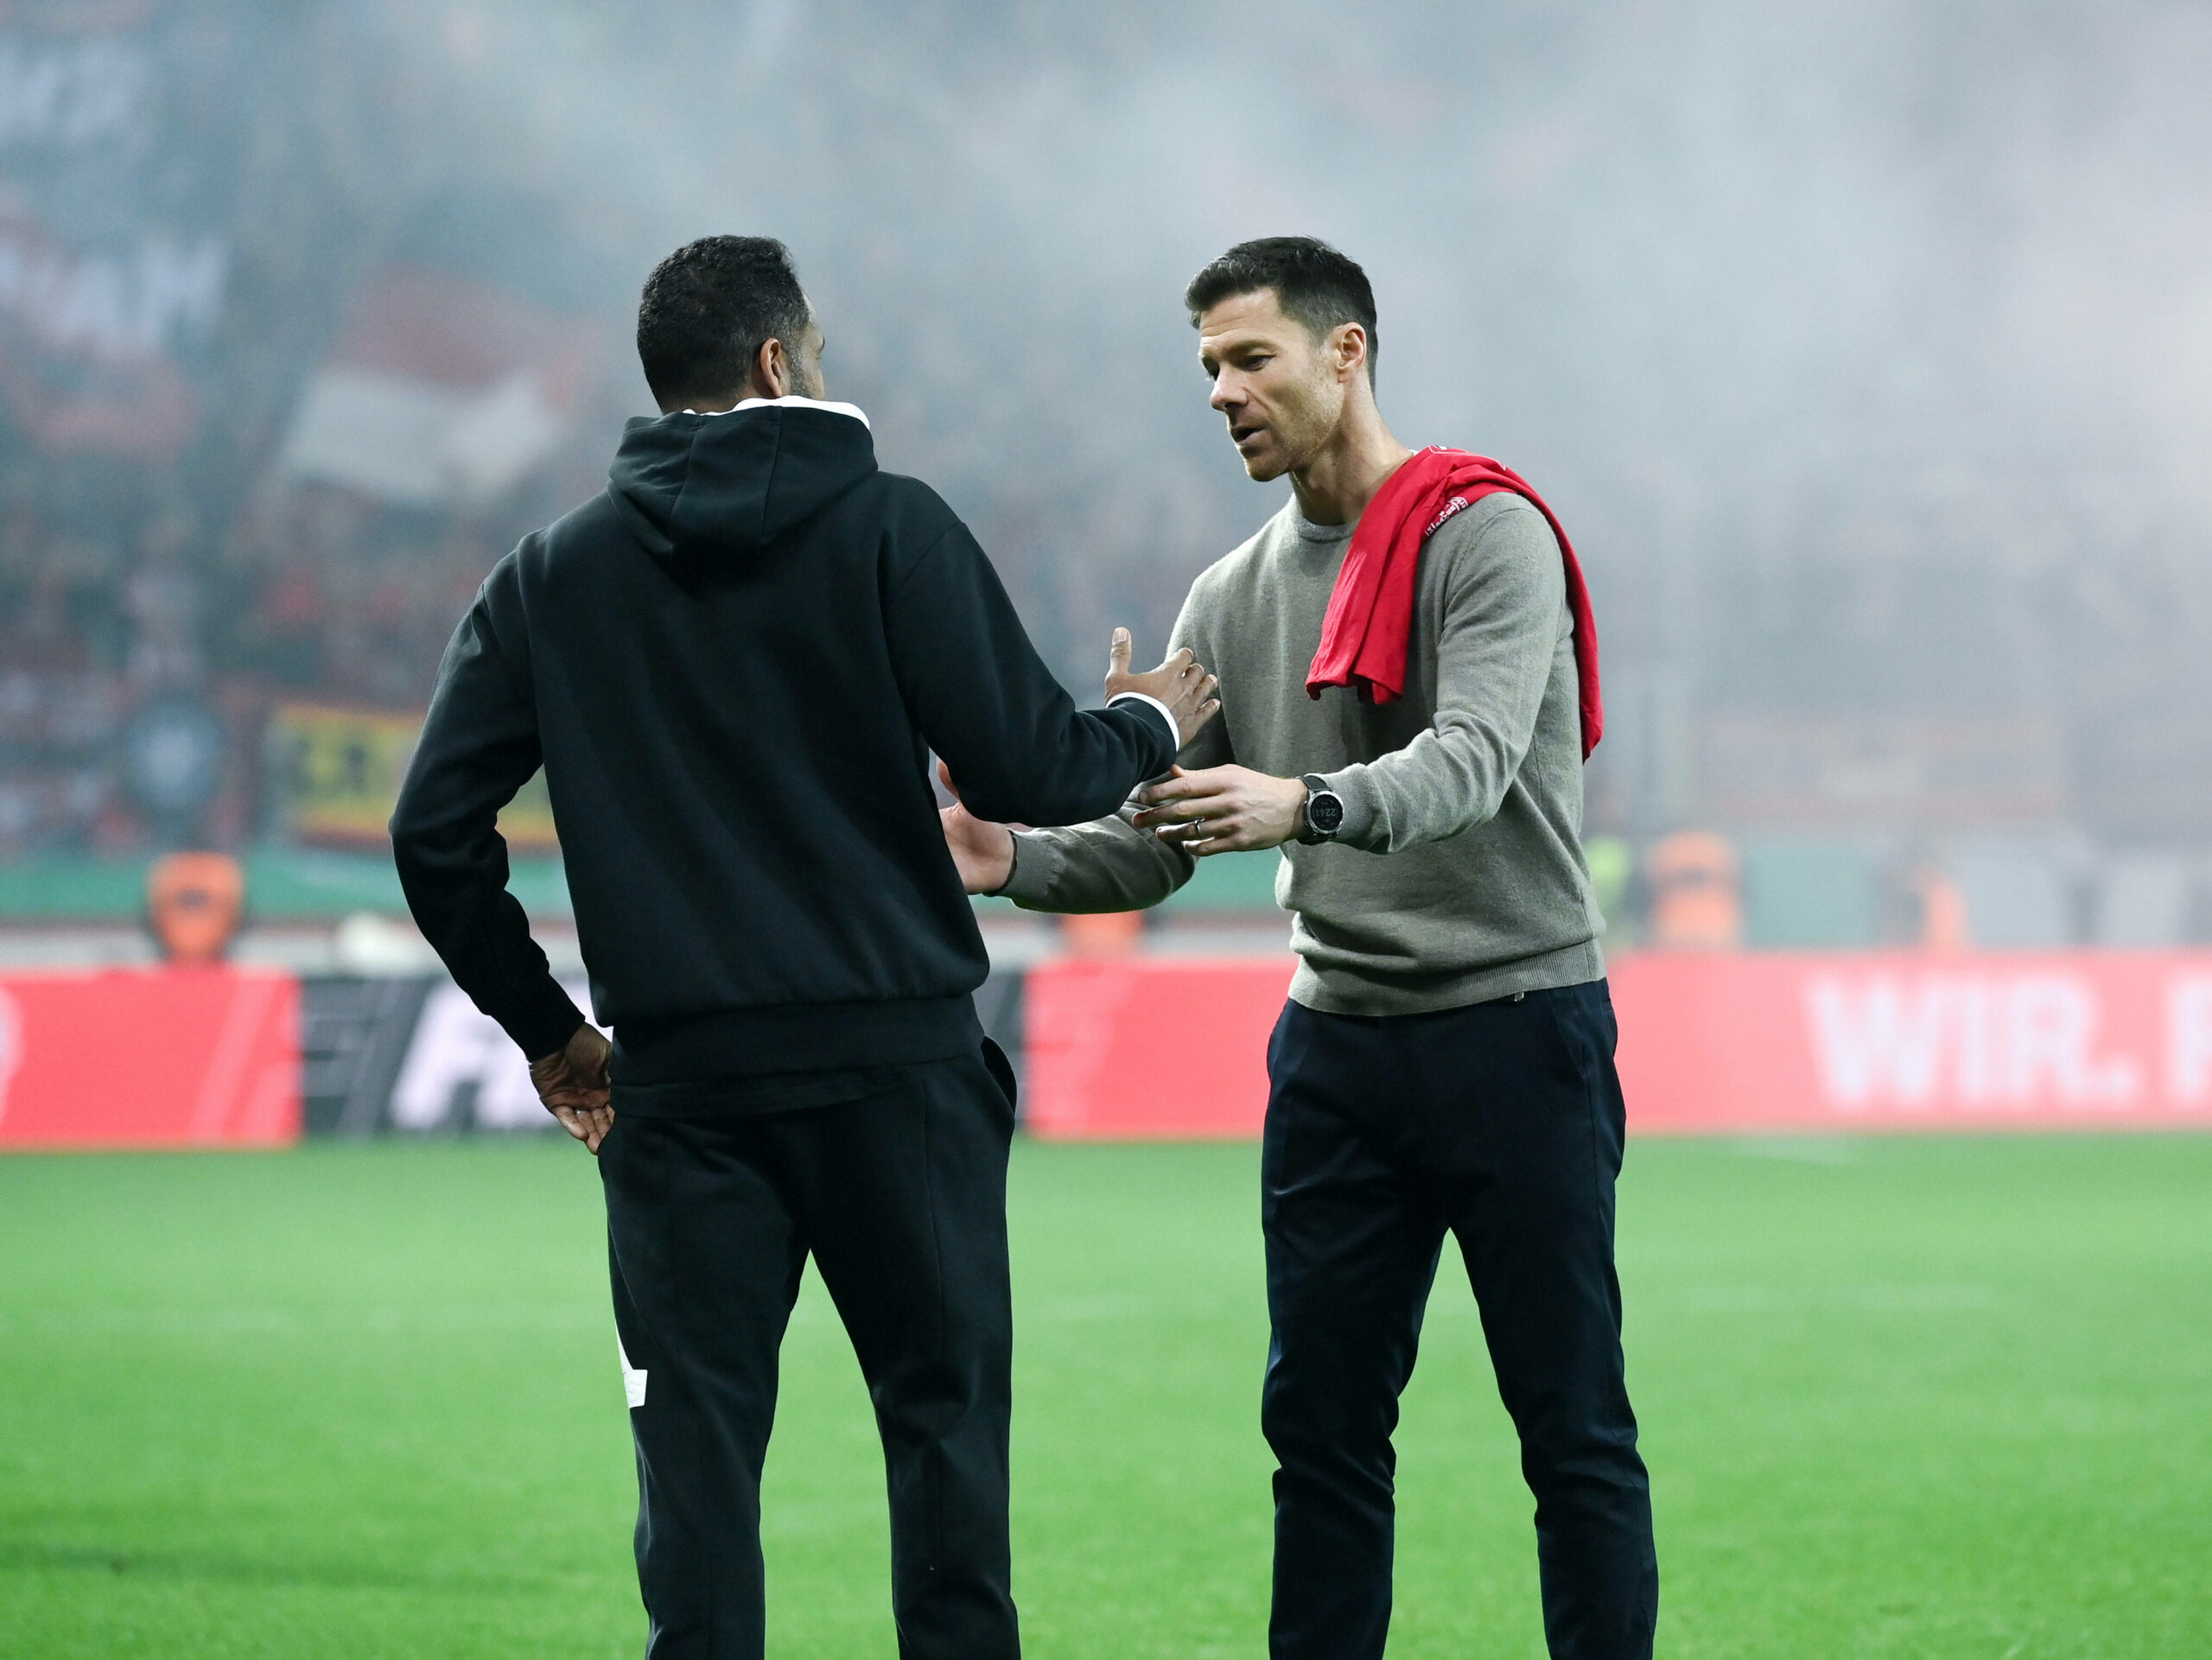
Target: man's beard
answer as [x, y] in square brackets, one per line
[1300, 435]
[1303, 427]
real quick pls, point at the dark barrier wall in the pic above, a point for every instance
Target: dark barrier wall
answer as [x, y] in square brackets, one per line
[414, 1055]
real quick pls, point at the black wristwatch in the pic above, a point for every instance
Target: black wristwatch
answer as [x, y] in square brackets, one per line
[1323, 813]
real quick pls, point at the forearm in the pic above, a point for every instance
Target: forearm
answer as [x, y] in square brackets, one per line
[1019, 748]
[1106, 865]
[458, 897]
[1064, 768]
[478, 746]
[1446, 781]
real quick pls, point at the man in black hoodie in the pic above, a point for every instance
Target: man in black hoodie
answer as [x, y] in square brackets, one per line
[732, 665]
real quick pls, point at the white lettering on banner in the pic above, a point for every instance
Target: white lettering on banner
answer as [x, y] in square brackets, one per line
[123, 307]
[67, 95]
[2189, 1037]
[1913, 1042]
[455, 1048]
[2053, 1022]
[1880, 1042]
[11, 1045]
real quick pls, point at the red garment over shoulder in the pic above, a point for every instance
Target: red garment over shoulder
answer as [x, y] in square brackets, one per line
[1369, 629]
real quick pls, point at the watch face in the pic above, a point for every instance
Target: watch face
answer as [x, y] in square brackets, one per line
[1324, 812]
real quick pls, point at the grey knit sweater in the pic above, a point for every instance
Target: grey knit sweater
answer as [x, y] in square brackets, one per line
[1458, 875]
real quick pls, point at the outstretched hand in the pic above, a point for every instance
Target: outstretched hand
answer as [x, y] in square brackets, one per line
[573, 1083]
[1181, 683]
[1223, 810]
[982, 852]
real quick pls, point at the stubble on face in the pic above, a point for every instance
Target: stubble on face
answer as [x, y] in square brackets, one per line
[1307, 412]
[805, 364]
[1271, 383]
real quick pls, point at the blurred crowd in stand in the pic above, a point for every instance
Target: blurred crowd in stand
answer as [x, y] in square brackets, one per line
[314, 594]
[286, 363]
[307, 311]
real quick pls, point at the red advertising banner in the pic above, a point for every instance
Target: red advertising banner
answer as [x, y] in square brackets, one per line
[1710, 1042]
[1150, 1048]
[149, 1058]
[2041, 1041]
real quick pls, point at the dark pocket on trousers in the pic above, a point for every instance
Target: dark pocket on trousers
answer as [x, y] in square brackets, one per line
[1002, 1071]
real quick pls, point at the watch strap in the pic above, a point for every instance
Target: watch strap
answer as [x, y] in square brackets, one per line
[1315, 785]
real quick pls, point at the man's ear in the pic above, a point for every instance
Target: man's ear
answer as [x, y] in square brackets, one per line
[1349, 355]
[772, 370]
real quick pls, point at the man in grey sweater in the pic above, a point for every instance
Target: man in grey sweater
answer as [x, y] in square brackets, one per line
[1445, 1062]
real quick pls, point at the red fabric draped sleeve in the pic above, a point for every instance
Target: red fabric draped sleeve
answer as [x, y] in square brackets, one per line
[1368, 632]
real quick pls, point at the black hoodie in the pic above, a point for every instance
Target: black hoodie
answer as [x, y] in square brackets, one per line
[733, 664]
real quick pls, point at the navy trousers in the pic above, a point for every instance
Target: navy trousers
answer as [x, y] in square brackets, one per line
[1502, 1125]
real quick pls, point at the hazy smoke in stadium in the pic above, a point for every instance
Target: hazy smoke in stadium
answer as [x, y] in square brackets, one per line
[1864, 344]
[1863, 347]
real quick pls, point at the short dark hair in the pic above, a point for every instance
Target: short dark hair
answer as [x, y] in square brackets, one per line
[707, 309]
[1317, 286]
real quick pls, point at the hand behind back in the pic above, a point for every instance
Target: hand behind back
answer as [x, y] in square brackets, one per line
[573, 1083]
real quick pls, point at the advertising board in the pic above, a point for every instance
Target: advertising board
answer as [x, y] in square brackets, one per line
[1164, 1048]
[205, 1057]
[1710, 1042]
[413, 1054]
[2029, 1040]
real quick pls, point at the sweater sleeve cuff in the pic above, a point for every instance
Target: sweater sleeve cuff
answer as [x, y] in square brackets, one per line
[543, 1022]
[1037, 863]
[1174, 732]
[1364, 826]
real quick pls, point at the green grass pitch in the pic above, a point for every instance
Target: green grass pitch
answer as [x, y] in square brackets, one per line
[1901, 1398]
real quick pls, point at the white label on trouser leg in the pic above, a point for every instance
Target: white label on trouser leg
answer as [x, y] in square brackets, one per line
[634, 1377]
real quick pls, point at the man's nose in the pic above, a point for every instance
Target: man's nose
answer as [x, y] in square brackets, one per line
[1227, 394]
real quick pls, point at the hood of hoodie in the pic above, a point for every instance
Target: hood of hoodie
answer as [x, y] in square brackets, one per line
[697, 489]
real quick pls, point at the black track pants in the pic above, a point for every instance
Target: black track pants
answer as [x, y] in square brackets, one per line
[901, 1199]
[1501, 1124]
